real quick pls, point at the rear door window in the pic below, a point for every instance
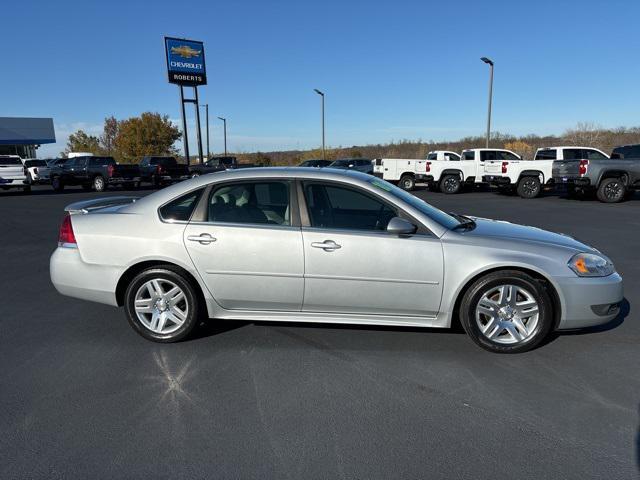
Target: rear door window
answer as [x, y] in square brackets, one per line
[432, 156]
[573, 154]
[251, 203]
[488, 155]
[469, 155]
[547, 154]
[591, 154]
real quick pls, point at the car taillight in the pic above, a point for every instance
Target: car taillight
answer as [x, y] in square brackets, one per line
[428, 168]
[160, 169]
[66, 237]
[504, 167]
[110, 169]
[582, 169]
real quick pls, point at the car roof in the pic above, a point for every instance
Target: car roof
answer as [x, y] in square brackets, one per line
[568, 146]
[486, 150]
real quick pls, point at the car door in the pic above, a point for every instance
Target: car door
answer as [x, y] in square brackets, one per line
[352, 265]
[246, 247]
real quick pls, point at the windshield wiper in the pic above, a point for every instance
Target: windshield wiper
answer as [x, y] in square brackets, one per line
[466, 223]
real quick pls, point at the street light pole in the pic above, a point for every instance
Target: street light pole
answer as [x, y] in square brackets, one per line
[490, 63]
[206, 110]
[322, 95]
[224, 120]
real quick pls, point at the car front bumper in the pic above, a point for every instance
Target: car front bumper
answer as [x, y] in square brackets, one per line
[75, 278]
[589, 301]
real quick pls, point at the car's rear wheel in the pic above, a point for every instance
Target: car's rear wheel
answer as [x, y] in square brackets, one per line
[529, 187]
[407, 182]
[161, 305]
[99, 185]
[507, 312]
[450, 184]
[611, 190]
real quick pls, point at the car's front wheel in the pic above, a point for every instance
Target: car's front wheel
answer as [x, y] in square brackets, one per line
[161, 305]
[507, 312]
[99, 184]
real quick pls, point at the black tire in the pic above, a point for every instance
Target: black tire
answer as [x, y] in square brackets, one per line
[450, 184]
[611, 190]
[155, 181]
[57, 184]
[99, 184]
[191, 299]
[529, 187]
[407, 182]
[491, 281]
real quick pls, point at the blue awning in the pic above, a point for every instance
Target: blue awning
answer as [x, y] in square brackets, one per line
[26, 131]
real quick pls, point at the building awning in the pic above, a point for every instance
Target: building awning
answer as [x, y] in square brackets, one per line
[26, 131]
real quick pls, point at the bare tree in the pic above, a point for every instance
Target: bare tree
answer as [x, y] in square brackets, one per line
[586, 134]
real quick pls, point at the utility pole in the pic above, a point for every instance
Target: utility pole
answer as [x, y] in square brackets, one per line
[490, 63]
[224, 120]
[206, 110]
[324, 156]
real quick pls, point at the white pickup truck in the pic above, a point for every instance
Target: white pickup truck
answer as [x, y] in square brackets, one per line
[450, 176]
[528, 177]
[403, 172]
[12, 173]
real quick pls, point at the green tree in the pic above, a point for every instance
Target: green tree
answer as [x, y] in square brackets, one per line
[109, 134]
[82, 142]
[148, 134]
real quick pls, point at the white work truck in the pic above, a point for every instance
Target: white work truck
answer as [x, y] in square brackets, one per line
[449, 177]
[12, 173]
[403, 172]
[528, 177]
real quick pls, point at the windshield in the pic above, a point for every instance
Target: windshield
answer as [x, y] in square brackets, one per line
[34, 163]
[341, 163]
[430, 211]
[10, 161]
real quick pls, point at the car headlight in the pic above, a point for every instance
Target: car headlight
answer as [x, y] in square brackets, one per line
[591, 265]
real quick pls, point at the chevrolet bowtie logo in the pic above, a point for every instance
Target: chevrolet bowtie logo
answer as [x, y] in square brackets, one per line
[185, 51]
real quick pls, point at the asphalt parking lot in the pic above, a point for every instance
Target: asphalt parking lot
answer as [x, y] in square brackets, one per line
[83, 396]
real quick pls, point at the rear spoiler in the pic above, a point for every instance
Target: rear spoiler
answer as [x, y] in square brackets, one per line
[88, 206]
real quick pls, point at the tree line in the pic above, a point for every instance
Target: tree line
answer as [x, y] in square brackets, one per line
[154, 134]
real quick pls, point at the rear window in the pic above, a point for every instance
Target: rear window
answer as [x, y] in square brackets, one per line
[180, 209]
[469, 155]
[432, 156]
[35, 163]
[10, 161]
[378, 161]
[452, 157]
[488, 155]
[100, 161]
[547, 154]
[166, 161]
[593, 154]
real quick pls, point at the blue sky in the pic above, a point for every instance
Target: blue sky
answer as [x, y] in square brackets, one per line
[390, 70]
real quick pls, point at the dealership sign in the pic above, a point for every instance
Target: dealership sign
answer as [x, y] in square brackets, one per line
[185, 61]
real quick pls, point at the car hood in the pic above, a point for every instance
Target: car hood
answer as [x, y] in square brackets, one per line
[487, 228]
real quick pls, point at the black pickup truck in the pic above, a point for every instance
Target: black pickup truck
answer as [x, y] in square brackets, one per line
[162, 170]
[93, 172]
[611, 178]
[215, 164]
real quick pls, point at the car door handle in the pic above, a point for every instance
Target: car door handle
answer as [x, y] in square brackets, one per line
[327, 245]
[203, 238]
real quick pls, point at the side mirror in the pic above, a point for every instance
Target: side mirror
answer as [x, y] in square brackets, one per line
[400, 226]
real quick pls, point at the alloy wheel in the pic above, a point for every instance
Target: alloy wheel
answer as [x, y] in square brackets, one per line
[161, 306]
[451, 184]
[507, 314]
[613, 190]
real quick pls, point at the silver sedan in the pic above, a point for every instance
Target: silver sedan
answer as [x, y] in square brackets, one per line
[323, 245]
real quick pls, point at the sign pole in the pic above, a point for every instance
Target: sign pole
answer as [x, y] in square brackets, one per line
[185, 138]
[198, 132]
